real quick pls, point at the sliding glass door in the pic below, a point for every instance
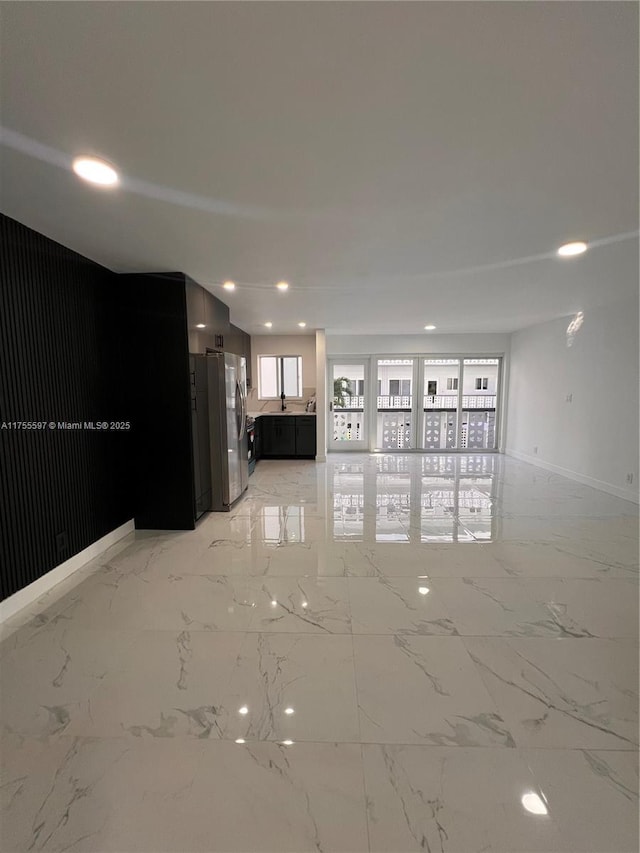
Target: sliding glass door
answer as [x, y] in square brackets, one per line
[479, 403]
[460, 403]
[441, 403]
[420, 402]
[348, 395]
[395, 416]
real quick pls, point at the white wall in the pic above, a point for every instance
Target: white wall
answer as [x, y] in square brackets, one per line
[482, 344]
[594, 438]
[303, 345]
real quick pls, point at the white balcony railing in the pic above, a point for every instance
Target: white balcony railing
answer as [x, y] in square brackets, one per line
[432, 401]
[469, 401]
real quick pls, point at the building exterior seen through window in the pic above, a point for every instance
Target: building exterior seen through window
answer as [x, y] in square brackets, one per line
[419, 403]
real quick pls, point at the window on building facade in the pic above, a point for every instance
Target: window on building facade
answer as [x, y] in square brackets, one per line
[399, 387]
[452, 383]
[482, 383]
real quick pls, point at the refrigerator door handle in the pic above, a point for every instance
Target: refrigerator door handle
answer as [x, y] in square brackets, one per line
[243, 418]
[244, 412]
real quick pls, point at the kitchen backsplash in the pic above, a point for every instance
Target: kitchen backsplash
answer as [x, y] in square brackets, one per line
[256, 405]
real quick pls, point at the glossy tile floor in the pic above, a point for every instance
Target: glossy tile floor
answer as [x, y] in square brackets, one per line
[385, 653]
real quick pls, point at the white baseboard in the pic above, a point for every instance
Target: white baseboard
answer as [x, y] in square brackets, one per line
[618, 491]
[31, 593]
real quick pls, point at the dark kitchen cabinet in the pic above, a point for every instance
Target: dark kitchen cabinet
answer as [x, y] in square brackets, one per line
[278, 436]
[239, 342]
[305, 435]
[292, 436]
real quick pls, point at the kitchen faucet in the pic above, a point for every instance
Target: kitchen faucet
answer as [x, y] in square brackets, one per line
[283, 407]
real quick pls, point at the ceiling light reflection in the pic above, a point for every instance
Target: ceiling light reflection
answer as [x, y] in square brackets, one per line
[423, 590]
[243, 710]
[533, 803]
[574, 327]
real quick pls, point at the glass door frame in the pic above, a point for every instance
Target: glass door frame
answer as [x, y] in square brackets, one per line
[370, 414]
[364, 443]
[498, 408]
[416, 413]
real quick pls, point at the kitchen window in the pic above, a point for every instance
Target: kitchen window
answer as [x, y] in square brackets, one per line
[278, 373]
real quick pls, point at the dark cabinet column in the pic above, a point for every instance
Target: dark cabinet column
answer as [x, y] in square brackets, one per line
[305, 435]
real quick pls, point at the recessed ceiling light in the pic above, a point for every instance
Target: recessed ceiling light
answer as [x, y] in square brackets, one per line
[430, 328]
[229, 285]
[423, 590]
[95, 171]
[570, 249]
[240, 740]
[289, 711]
[282, 285]
[200, 326]
[269, 325]
[302, 325]
[244, 710]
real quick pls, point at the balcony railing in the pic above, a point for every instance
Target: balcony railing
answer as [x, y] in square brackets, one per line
[393, 401]
[348, 404]
[432, 401]
[469, 401]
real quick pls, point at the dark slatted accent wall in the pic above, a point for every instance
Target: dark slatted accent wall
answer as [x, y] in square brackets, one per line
[61, 360]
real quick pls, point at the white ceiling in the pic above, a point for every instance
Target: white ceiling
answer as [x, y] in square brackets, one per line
[389, 160]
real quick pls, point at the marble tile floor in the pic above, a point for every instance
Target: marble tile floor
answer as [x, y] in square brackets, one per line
[381, 653]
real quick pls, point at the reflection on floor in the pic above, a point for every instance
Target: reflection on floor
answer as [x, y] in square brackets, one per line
[386, 653]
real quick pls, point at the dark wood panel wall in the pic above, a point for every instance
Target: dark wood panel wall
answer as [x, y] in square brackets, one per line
[80, 344]
[61, 361]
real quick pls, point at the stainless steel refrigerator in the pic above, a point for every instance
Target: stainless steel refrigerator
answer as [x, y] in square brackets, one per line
[228, 446]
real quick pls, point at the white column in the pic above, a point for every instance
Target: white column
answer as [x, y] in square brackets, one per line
[321, 395]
